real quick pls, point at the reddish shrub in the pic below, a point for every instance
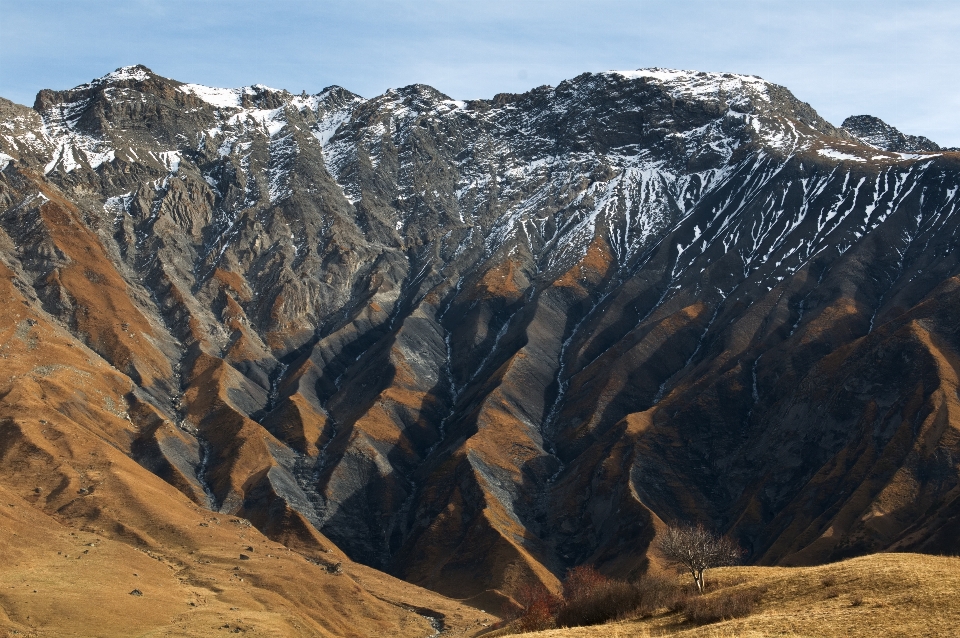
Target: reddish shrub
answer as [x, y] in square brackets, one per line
[602, 601]
[590, 598]
[539, 608]
[582, 582]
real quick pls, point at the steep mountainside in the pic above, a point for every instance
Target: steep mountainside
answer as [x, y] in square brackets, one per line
[476, 343]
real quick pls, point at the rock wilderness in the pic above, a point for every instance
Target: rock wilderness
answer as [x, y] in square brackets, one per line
[474, 344]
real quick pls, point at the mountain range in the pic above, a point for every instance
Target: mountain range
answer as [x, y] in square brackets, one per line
[473, 344]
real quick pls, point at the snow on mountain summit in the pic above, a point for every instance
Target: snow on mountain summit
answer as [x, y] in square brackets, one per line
[225, 98]
[135, 72]
[701, 83]
[131, 73]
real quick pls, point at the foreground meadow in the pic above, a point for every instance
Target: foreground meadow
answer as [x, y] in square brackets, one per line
[879, 595]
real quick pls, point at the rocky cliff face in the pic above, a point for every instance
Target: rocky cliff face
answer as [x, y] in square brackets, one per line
[877, 133]
[476, 343]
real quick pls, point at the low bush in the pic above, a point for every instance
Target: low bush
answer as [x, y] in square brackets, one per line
[602, 602]
[590, 598]
[582, 582]
[702, 610]
[656, 593]
[539, 609]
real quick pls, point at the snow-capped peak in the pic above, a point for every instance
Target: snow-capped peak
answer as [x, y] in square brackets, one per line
[136, 72]
[700, 83]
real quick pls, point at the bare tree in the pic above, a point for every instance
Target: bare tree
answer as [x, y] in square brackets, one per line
[697, 549]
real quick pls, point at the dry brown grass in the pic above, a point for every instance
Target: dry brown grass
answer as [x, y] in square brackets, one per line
[886, 595]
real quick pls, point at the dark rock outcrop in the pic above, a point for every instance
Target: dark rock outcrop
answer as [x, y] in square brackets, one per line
[875, 132]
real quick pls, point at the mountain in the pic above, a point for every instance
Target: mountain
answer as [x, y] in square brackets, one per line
[877, 133]
[473, 344]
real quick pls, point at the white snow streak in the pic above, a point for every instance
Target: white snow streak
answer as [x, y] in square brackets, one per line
[839, 155]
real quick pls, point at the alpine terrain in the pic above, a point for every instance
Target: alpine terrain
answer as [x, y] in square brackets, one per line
[474, 344]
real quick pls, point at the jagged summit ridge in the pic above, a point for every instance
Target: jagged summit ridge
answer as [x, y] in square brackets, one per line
[132, 73]
[702, 83]
[478, 342]
[877, 133]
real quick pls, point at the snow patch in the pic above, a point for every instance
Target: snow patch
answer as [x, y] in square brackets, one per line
[270, 119]
[170, 159]
[327, 127]
[225, 98]
[71, 145]
[839, 155]
[119, 205]
[221, 98]
[308, 102]
[699, 83]
[916, 156]
[122, 74]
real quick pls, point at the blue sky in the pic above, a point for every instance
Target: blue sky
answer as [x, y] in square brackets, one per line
[896, 59]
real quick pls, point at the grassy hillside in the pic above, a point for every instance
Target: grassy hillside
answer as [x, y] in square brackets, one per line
[879, 595]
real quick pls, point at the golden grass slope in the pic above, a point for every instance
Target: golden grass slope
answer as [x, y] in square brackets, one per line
[887, 595]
